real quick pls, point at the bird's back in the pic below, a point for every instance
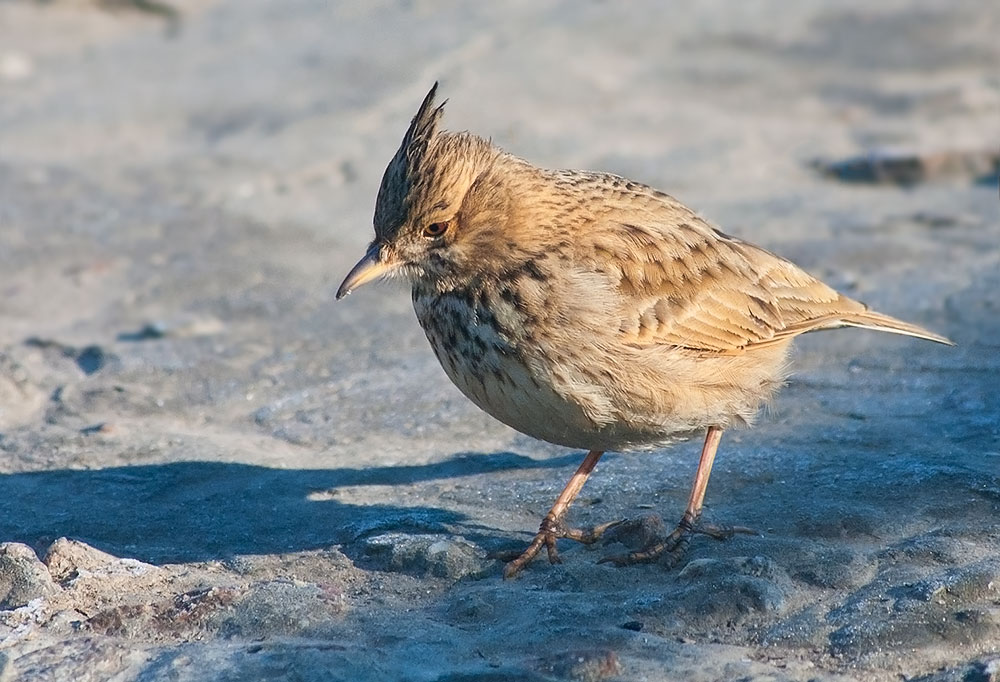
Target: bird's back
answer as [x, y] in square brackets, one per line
[683, 283]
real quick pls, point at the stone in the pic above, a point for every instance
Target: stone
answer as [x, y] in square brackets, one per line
[66, 559]
[23, 577]
[440, 556]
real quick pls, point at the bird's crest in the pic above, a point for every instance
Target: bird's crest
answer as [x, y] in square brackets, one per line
[422, 130]
[407, 168]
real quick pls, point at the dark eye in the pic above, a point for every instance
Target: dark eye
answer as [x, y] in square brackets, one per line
[436, 229]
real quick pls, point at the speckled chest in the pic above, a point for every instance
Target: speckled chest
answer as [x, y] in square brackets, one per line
[473, 334]
[484, 342]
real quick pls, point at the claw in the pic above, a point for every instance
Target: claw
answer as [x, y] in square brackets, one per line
[549, 531]
[675, 545]
[550, 549]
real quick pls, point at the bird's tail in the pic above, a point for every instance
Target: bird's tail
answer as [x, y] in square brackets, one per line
[869, 319]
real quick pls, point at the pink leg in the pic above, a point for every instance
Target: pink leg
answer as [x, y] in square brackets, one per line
[552, 526]
[676, 543]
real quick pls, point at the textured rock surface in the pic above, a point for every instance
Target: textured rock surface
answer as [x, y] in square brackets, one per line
[426, 555]
[23, 578]
[258, 483]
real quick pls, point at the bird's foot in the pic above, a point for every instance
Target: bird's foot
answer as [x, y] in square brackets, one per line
[548, 532]
[671, 549]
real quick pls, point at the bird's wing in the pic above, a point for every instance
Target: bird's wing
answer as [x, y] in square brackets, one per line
[683, 283]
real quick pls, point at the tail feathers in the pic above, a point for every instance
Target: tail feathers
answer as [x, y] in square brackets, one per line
[871, 320]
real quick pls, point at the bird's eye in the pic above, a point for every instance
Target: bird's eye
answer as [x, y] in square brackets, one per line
[435, 230]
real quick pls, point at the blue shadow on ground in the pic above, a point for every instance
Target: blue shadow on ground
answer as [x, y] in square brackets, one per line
[199, 511]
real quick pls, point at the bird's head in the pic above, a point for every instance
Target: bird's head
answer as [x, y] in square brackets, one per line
[441, 202]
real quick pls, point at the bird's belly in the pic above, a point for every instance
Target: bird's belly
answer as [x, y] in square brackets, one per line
[566, 394]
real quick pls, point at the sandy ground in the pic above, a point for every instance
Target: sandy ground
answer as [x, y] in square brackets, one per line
[259, 483]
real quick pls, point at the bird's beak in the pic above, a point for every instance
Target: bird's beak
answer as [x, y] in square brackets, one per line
[368, 268]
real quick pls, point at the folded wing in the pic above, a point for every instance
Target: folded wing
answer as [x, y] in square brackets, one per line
[688, 285]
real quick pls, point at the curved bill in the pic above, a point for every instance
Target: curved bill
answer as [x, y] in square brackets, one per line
[367, 269]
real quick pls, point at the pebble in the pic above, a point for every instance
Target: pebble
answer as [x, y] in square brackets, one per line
[440, 556]
[22, 576]
[637, 533]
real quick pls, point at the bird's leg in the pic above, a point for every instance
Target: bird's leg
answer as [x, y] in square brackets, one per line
[553, 526]
[677, 542]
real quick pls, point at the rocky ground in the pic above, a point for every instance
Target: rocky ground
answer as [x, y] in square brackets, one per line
[211, 471]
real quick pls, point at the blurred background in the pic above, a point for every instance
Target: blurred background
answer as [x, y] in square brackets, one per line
[184, 183]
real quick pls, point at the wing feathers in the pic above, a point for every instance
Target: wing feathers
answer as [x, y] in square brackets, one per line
[686, 284]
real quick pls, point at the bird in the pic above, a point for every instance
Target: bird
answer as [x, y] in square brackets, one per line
[590, 311]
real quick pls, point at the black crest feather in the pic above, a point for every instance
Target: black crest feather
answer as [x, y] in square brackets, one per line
[422, 130]
[405, 166]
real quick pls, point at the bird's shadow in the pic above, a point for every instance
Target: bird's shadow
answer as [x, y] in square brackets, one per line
[199, 511]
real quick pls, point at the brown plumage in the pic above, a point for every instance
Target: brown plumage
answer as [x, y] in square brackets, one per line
[588, 310]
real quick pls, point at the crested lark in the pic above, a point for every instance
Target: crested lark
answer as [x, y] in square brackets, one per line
[588, 310]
